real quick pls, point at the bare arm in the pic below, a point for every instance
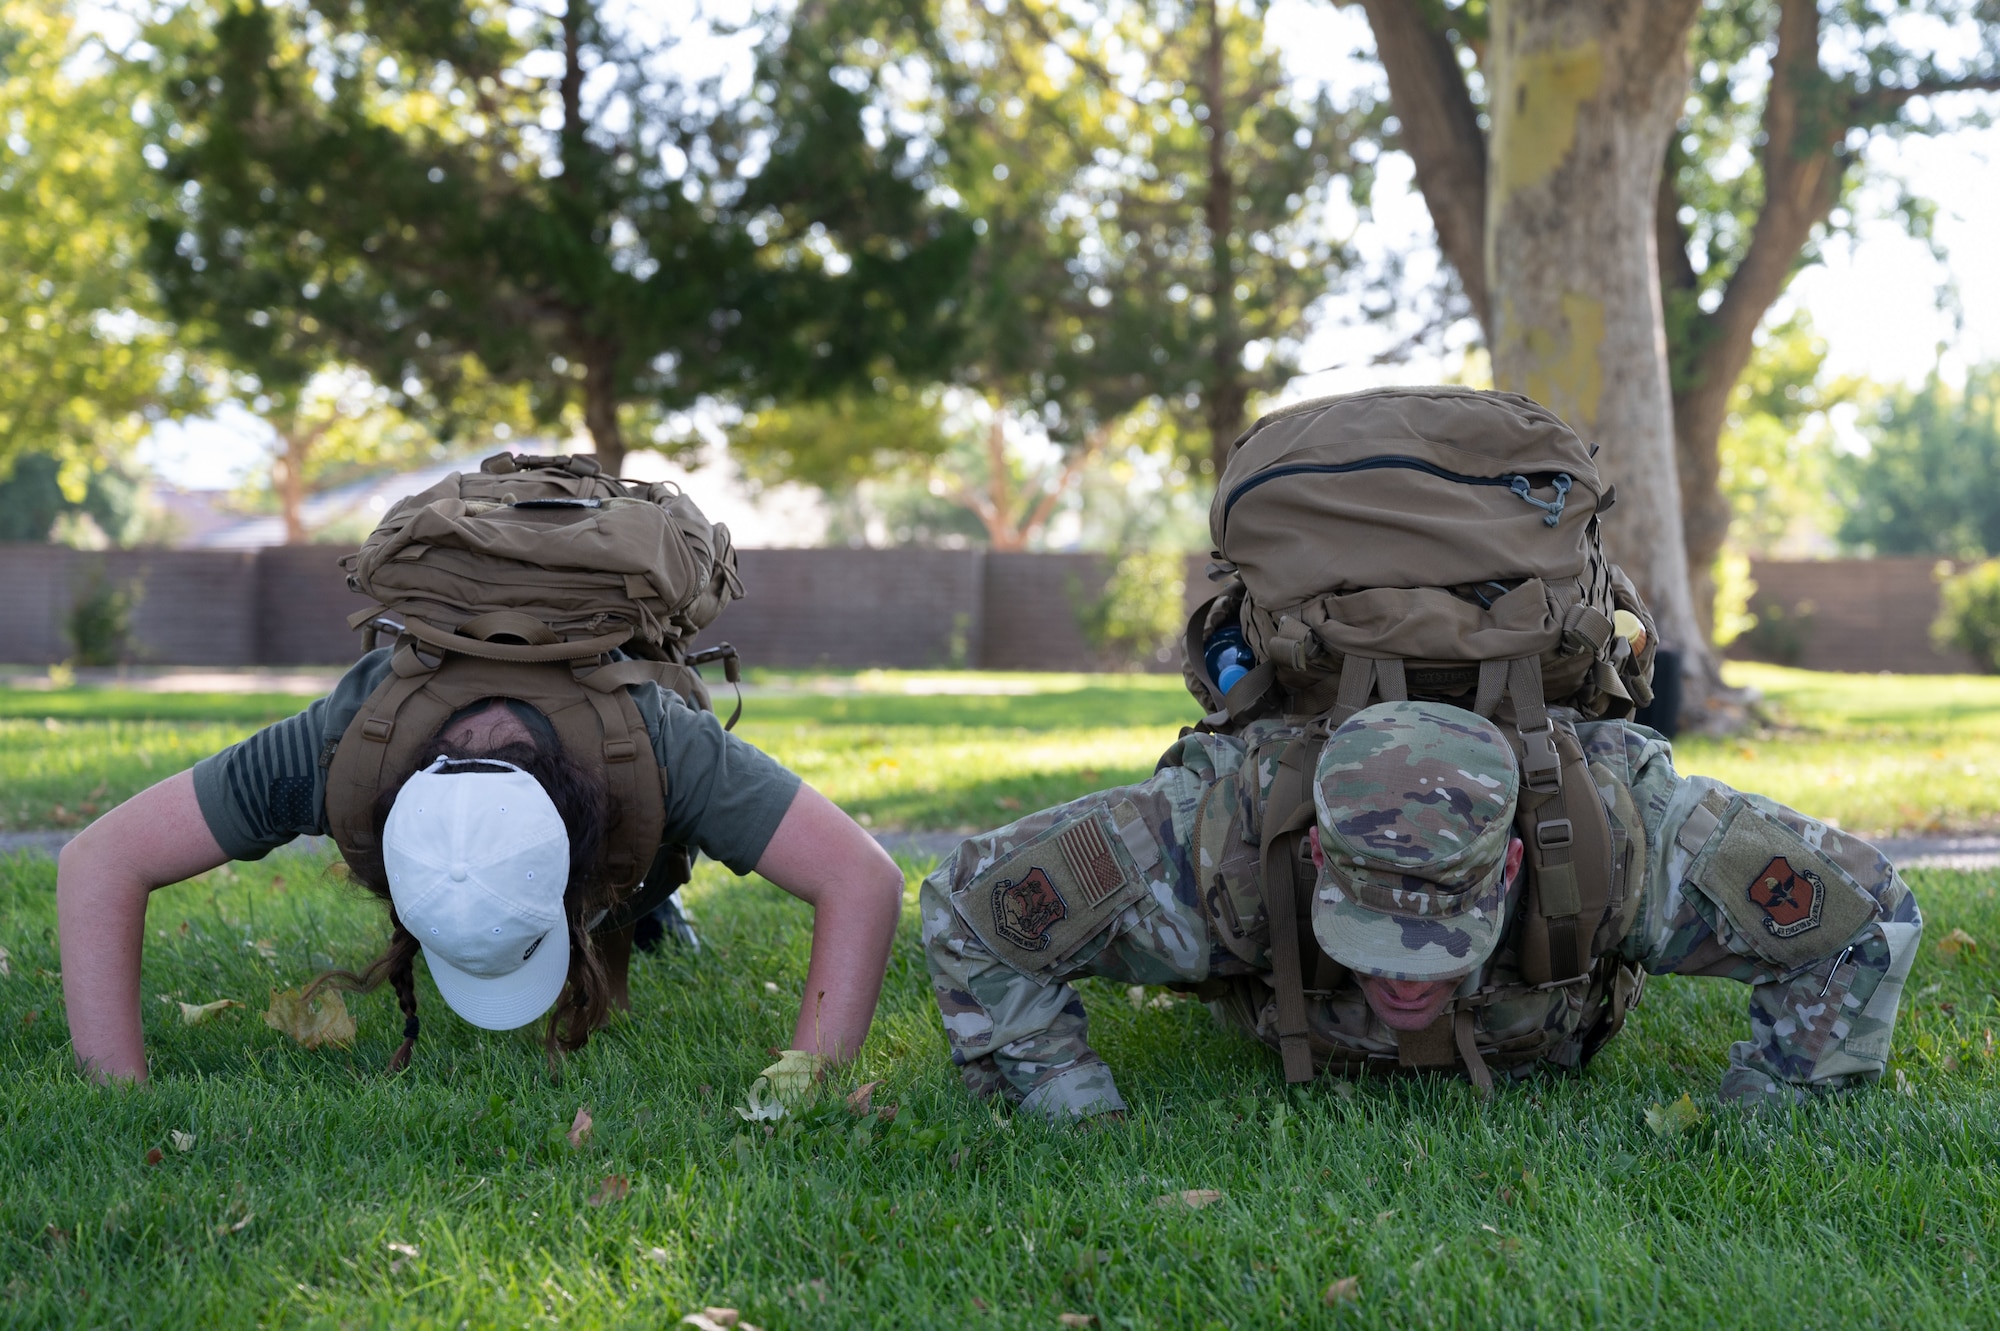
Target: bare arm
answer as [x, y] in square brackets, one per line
[820, 856]
[102, 880]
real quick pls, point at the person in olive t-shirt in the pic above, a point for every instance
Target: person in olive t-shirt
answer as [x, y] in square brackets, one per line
[494, 803]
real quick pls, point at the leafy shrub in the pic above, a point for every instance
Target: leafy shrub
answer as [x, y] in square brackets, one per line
[1138, 618]
[1777, 634]
[100, 621]
[1969, 613]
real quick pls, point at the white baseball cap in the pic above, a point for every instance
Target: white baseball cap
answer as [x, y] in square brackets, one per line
[477, 860]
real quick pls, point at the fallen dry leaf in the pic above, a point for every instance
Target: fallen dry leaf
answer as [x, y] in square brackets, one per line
[718, 1319]
[1135, 994]
[1076, 1319]
[154, 1156]
[1192, 1198]
[660, 1255]
[239, 1226]
[861, 1099]
[405, 1254]
[1674, 1119]
[5, 969]
[579, 1131]
[194, 1014]
[183, 1141]
[322, 1021]
[613, 1189]
[264, 948]
[1347, 1289]
[1955, 942]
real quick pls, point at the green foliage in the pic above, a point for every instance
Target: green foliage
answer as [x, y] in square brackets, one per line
[1775, 450]
[1930, 481]
[1776, 633]
[32, 500]
[548, 198]
[99, 623]
[1138, 618]
[838, 442]
[1969, 613]
[85, 364]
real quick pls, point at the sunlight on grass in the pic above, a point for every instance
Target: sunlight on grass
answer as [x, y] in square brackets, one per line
[303, 1168]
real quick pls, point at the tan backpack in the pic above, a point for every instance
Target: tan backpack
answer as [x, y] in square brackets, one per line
[518, 581]
[1435, 543]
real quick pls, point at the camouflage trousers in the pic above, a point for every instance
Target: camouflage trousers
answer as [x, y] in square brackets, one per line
[1105, 886]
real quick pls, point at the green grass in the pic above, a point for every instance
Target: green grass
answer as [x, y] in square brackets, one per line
[1879, 754]
[1552, 1204]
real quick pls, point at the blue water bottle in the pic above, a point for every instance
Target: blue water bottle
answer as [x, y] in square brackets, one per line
[1228, 657]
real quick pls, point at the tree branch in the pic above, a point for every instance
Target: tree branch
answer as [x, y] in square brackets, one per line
[1863, 107]
[1442, 135]
[1078, 458]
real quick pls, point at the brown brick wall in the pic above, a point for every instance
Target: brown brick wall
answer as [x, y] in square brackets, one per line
[1848, 614]
[837, 608]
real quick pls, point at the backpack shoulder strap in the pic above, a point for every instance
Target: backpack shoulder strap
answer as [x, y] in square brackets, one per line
[1569, 841]
[1288, 813]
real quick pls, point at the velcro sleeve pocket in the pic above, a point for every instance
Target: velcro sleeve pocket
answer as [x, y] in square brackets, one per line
[1053, 894]
[1226, 873]
[1791, 903]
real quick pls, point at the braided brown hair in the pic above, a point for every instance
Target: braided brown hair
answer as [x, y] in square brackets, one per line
[586, 813]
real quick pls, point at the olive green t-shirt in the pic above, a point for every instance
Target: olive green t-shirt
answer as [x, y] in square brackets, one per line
[724, 797]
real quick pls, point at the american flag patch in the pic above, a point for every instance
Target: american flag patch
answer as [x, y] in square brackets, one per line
[1090, 860]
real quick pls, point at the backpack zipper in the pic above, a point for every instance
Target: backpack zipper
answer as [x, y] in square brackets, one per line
[1514, 481]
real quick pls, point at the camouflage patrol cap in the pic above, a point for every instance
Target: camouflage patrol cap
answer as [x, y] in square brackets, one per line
[1416, 808]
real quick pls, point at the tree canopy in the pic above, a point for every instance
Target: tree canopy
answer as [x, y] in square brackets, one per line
[85, 364]
[406, 187]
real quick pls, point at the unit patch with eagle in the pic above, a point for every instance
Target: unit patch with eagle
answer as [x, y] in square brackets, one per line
[1045, 897]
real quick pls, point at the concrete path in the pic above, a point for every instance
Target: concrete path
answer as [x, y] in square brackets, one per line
[1953, 852]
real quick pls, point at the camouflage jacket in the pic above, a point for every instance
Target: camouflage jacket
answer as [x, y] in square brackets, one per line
[1169, 895]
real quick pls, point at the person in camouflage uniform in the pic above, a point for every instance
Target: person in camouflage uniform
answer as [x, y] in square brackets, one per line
[1417, 870]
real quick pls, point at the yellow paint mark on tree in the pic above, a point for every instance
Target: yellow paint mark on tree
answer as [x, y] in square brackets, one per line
[1537, 128]
[1564, 364]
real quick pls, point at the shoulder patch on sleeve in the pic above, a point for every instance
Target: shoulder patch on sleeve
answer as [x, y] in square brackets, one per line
[1792, 903]
[1053, 894]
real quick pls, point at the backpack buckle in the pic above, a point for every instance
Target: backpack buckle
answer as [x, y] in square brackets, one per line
[1555, 834]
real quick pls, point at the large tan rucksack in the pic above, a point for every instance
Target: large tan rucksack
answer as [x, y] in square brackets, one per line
[1437, 543]
[520, 580]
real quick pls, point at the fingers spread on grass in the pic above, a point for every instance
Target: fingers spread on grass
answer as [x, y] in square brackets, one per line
[324, 1020]
[194, 1014]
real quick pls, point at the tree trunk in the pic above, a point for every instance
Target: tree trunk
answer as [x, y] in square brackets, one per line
[1440, 131]
[290, 475]
[1225, 400]
[1584, 95]
[1802, 170]
[600, 406]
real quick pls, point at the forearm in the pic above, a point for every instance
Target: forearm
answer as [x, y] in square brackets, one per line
[850, 953]
[820, 856]
[101, 920]
[102, 881]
